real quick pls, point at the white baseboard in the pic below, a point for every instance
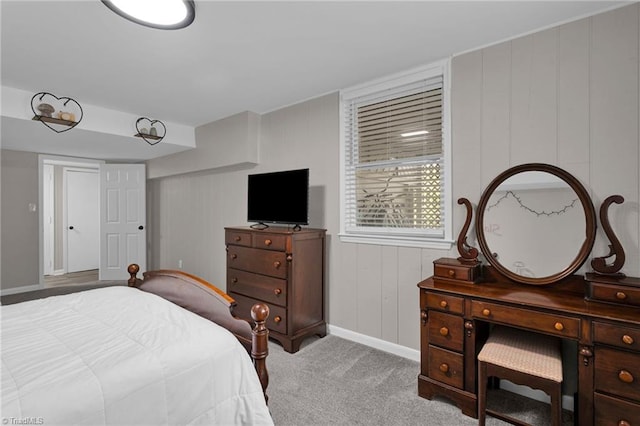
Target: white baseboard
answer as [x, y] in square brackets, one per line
[16, 290]
[414, 355]
[383, 345]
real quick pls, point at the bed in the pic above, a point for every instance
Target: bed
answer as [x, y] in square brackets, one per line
[171, 354]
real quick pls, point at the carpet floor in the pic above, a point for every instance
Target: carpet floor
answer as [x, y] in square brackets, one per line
[333, 381]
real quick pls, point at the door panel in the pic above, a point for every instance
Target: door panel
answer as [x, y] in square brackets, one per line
[123, 219]
[83, 219]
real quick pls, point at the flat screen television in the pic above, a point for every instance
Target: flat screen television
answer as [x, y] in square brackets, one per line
[279, 197]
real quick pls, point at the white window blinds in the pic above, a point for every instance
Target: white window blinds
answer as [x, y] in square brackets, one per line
[394, 168]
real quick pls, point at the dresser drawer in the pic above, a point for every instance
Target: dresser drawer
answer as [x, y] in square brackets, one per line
[617, 372]
[446, 330]
[446, 303]
[625, 295]
[611, 411]
[269, 289]
[277, 320]
[453, 272]
[614, 335]
[547, 323]
[270, 241]
[237, 238]
[272, 263]
[446, 366]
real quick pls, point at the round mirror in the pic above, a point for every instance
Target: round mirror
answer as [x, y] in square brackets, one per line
[535, 224]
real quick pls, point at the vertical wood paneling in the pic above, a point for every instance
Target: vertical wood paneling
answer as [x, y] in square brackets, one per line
[343, 292]
[533, 98]
[390, 305]
[369, 287]
[496, 96]
[613, 118]
[573, 98]
[409, 274]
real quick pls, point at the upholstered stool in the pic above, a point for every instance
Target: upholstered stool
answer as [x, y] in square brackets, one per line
[525, 358]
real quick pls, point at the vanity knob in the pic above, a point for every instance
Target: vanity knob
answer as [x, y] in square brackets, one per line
[627, 339]
[452, 273]
[486, 312]
[276, 264]
[443, 304]
[558, 326]
[277, 319]
[267, 242]
[444, 331]
[624, 423]
[621, 295]
[625, 376]
[444, 367]
[277, 291]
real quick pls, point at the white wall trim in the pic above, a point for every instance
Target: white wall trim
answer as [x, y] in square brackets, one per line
[383, 345]
[22, 289]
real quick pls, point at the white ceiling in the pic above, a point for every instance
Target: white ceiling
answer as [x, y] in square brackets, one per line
[240, 55]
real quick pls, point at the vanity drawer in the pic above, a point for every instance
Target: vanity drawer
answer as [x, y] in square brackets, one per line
[446, 366]
[264, 262]
[606, 292]
[454, 270]
[277, 320]
[444, 302]
[446, 330]
[533, 320]
[614, 335]
[269, 289]
[270, 241]
[611, 411]
[617, 372]
[237, 238]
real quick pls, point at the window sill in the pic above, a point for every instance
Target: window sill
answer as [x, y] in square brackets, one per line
[400, 241]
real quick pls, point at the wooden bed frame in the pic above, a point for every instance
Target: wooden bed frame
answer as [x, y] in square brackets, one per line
[203, 298]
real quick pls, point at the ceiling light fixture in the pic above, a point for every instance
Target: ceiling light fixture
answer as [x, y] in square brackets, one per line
[163, 14]
[419, 132]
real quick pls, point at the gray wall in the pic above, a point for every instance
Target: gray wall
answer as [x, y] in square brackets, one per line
[566, 96]
[19, 236]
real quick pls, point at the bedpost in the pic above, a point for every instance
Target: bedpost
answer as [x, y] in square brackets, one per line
[133, 271]
[259, 346]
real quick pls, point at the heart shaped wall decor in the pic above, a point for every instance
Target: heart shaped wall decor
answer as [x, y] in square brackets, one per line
[152, 131]
[57, 113]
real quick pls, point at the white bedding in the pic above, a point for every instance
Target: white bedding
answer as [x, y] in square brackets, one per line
[119, 355]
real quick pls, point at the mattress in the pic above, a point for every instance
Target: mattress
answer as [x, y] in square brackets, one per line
[120, 356]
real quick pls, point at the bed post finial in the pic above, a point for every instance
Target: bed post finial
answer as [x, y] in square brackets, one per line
[259, 344]
[133, 271]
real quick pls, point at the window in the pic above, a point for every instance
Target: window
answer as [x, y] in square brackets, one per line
[395, 160]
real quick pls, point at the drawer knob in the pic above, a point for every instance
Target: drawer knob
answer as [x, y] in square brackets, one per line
[423, 317]
[277, 291]
[234, 256]
[452, 273]
[558, 326]
[486, 312]
[624, 423]
[276, 264]
[234, 280]
[443, 304]
[627, 339]
[237, 238]
[621, 295]
[267, 242]
[444, 367]
[444, 331]
[277, 319]
[625, 376]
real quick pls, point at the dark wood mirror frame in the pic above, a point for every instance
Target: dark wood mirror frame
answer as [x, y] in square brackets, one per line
[590, 223]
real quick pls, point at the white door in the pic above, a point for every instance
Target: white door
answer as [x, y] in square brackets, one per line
[122, 220]
[82, 219]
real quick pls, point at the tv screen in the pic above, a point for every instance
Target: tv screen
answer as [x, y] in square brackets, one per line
[279, 197]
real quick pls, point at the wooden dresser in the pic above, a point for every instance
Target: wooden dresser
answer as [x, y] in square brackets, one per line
[284, 269]
[456, 316]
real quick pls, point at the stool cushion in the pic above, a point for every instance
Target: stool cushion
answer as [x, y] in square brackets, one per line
[529, 353]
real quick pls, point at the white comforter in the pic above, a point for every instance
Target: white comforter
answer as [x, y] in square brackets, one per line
[122, 356]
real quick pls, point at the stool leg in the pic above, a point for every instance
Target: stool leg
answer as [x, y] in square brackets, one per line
[482, 393]
[556, 406]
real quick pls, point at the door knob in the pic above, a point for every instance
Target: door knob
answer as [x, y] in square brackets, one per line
[141, 227]
[71, 227]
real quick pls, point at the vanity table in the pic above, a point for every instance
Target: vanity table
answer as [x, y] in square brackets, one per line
[528, 289]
